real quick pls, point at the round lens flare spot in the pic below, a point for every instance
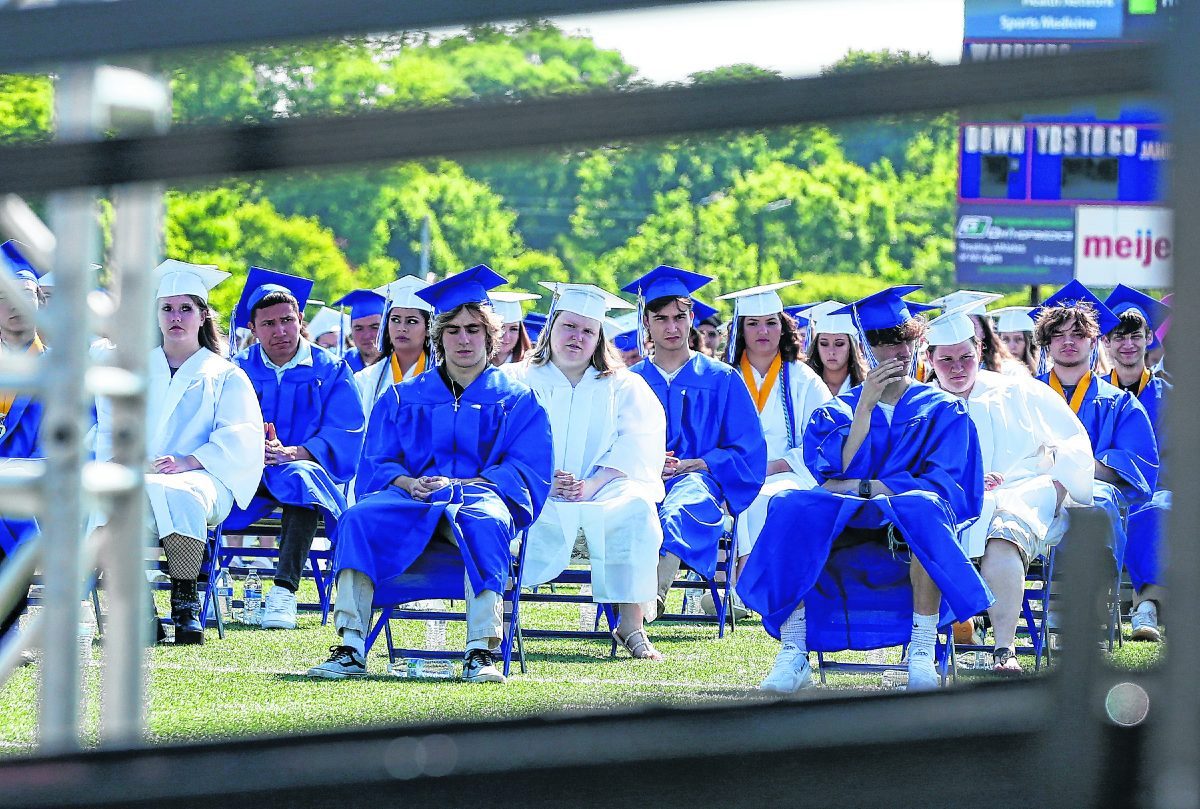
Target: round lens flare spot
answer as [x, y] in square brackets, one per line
[1127, 704]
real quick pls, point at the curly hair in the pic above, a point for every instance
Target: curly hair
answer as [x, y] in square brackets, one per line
[1052, 318]
[789, 340]
[481, 312]
[906, 332]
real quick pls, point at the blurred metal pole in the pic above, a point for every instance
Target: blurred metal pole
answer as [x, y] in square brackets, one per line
[74, 222]
[136, 243]
[1172, 763]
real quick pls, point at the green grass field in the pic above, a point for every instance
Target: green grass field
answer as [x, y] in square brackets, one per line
[252, 683]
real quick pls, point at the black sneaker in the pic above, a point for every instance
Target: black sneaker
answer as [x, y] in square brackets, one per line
[480, 667]
[343, 662]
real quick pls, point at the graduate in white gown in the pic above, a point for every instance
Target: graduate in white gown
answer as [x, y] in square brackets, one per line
[833, 352]
[515, 341]
[1036, 458]
[204, 433]
[764, 348]
[405, 341]
[609, 437]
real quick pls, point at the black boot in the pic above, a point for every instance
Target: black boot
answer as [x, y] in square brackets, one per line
[185, 612]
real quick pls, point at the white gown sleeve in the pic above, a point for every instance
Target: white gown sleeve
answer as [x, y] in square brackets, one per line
[234, 450]
[640, 448]
[808, 393]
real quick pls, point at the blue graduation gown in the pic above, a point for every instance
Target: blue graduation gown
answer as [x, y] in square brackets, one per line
[316, 407]
[710, 415]
[1145, 552]
[20, 440]
[498, 432]
[860, 597]
[354, 360]
[1123, 439]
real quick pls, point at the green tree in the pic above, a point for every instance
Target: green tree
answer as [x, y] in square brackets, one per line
[26, 108]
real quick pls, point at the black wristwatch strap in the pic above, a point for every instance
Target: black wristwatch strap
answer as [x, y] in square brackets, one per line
[864, 488]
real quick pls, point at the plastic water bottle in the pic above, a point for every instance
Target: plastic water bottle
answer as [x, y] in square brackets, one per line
[87, 633]
[435, 635]
[223, 590]
[587, 610]
[252, 599]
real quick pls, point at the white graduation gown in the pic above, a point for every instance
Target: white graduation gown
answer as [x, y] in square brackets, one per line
[1031, 439]
[207, 410]
[809, 392]
[372, 383]
[617, 423]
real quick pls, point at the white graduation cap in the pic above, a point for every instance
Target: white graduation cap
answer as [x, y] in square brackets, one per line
[180, 278]
[402, 293]
[626, 322]
[962, 297]
[508, 304]
[326, 321]
[1013, 318]
[953, 326]
[586, 300]
[758, 301]
[825, 322]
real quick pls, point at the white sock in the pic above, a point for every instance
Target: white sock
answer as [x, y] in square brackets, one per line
[795, 631]
[355, 640]
[924, 635]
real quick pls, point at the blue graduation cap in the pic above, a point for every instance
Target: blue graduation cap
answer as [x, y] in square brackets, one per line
[1075, 292]
[362, 303]
[534, 323]
[664, 281]
[261, 282]
[1124, 298]
[794, 312]
[700, 310]
[468, 286]
[885, 309]
[626, 340]
[16, 262]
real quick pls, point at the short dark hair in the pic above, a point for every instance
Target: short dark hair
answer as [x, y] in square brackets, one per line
[273, 299]
[909, 330]
[1053, 318]
[658, 304]
[1131, 322]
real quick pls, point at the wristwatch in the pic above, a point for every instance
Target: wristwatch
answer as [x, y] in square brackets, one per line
[864, 488]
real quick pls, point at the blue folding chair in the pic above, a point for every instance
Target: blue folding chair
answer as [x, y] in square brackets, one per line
[318, 566]
[944, 660]
[721, 591]
[572, 576]
[1033, 625]
[438, 574]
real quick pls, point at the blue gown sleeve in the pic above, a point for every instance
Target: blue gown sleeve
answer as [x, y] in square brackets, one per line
[384, 456]
[522, 466]
[739, 461]
[339, 440]
[824, 437]
[952, 466]
[1133, 453]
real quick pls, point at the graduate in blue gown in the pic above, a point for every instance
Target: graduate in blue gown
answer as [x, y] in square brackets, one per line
[366, 319]
[461, 453]
[1128, 345]
[315, 427]
[20, 416]
[899, 464]
[716, 453]
[1068, 328]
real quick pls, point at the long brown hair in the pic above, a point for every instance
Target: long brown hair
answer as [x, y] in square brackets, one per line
[994, 351]
[604, 359]
[856, 362]
[789, 339]
[484, 314]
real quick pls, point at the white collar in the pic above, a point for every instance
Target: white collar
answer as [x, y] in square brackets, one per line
[303, 356]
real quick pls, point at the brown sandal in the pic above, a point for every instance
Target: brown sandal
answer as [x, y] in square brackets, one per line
[638, 645]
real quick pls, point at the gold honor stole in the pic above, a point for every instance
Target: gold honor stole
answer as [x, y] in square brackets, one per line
[7, 399]
[398, 375]
[1142, 383]
[1080, 390]
[760, 396]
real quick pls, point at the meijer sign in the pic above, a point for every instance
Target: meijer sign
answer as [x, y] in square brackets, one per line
[1123, 245]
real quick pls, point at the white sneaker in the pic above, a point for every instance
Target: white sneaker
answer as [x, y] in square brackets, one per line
[922, 674]
[280, 609]
[791, 672]
[1145, 622]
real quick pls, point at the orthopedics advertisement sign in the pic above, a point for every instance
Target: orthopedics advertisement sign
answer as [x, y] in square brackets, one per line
[1045, 20]
[1124, 244]
[1014, 244]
